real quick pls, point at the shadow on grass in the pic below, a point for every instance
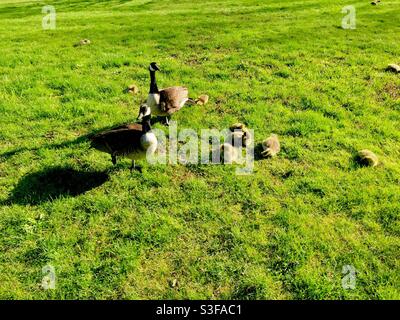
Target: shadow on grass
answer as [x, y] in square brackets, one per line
[258, 149]
[82, 139]
[66, 144]
[53, 183]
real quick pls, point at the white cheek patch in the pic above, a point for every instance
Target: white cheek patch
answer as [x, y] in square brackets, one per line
[151, 68]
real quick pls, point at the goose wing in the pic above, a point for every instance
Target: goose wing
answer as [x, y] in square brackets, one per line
[131, 126]
[173, 98]
[118, 141]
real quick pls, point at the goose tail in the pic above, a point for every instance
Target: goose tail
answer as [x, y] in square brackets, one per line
[96, 142]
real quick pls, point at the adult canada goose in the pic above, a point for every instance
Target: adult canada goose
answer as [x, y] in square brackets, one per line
[166, 101]
[133, 141]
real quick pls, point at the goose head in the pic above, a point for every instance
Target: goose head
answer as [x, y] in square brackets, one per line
[153, 67]
[144, 112]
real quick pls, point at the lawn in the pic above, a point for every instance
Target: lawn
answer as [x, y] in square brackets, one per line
[200, 231]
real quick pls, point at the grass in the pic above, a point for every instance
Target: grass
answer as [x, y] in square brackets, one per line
[285, 232]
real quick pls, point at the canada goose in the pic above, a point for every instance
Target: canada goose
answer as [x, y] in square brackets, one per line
[271, 146]
[166, 101]
[133, 141]
[367, 158]
[240, 128]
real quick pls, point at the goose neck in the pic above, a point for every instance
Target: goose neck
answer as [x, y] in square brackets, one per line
[146, 125]
[153, 82]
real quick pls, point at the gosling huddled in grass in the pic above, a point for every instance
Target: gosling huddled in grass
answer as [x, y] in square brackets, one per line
[393, 68]
[239, 137]
[239, 129]
[202, 100]
[132, 89]
[367, 158]
[271, 146]
[229, 153]
[83, 42]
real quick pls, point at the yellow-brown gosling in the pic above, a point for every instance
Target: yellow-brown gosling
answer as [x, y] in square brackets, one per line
[132, 89]
[271, 146]
[229, 153]
[82, 42]
[246, 135]
[393, 68]
[202, 100]
[367, 158]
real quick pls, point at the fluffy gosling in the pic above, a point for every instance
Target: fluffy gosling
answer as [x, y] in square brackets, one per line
[229, 153]
[202, 100]
[271, 146]
[367, 158]
[241, 129]
[82, 42]
[132, 89]
[393, 68]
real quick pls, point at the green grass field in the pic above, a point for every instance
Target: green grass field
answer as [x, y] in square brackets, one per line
[200, 231]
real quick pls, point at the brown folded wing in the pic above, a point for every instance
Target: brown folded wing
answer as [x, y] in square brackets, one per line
[119, 141]
[171, 99]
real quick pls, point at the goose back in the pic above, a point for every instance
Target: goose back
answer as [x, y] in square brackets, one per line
[119, 141]
[173, 98]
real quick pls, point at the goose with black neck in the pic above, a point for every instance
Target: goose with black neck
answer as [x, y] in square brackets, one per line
[132, 141]
[166, 101]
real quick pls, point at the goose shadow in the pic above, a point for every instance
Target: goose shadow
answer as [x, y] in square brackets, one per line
[258, 149]
[53, 183]
[79, 140]
[54, 146]
[69, 143]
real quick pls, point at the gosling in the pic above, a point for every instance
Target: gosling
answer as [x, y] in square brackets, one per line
[241, 129]
[271, 146]
[367, 158]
